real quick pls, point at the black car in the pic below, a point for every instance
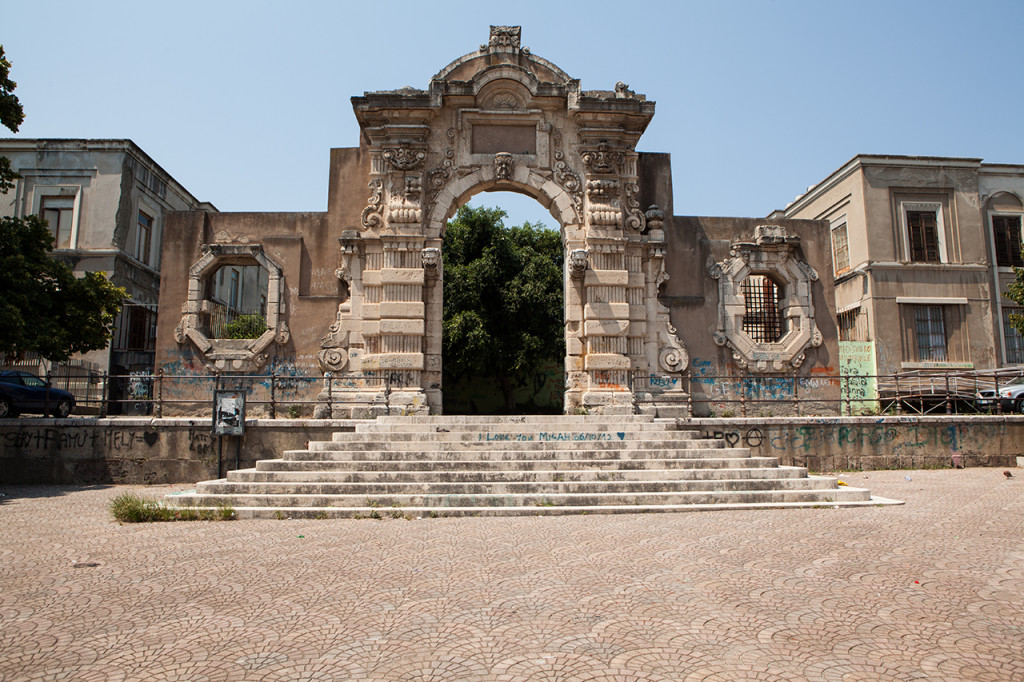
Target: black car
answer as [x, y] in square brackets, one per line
[25, 392]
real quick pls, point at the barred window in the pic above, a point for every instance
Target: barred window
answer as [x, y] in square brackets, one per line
[762, 318]
[1006, 231]
[931, 333]
[848, 325]
[1014, 339]
[840, 248]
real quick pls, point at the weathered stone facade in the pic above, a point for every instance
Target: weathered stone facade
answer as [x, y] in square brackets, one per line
[501, 119]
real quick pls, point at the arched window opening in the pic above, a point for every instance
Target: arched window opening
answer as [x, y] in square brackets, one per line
[762, 318]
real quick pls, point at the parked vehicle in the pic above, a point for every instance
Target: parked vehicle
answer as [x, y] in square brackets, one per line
[1011, 396]
[25, 392]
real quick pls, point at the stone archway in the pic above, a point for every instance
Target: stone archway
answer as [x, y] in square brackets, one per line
[501, 118]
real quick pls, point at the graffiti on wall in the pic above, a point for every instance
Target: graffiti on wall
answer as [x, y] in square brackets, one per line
[731, 384]
[116, 440]
[882, 439]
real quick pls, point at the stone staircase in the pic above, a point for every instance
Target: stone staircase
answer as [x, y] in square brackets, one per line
[457, 466]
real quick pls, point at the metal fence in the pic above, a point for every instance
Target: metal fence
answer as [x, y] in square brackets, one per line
[897, 394]
[270, 395]
[276, 395]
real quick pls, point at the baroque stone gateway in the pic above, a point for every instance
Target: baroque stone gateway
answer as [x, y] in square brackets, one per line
[355, 293]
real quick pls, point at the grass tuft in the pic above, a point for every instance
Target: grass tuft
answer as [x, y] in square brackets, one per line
[134, 508]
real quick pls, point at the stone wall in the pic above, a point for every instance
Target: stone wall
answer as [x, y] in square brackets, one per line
[176, 450]
[854, 443]
[142, 450]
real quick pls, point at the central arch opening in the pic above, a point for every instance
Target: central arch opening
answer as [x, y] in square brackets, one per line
[503, 328]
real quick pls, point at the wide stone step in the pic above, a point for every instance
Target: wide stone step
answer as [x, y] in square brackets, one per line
[603, 463]
[533, 420]
[511, 455]
[454, 512]
[561, 488]
[560, 436]
[403, 444]
[512, 475]
[585, 499]
[471, 465]
[466, 427]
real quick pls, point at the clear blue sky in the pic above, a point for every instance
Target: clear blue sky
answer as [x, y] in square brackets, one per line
[241, 102]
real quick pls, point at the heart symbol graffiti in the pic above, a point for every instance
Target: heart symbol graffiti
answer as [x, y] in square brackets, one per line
[621, 435]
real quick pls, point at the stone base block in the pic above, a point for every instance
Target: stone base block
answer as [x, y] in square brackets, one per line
[673, 405]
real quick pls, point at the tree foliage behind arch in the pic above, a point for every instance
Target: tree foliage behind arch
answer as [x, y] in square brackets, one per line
[503, 298]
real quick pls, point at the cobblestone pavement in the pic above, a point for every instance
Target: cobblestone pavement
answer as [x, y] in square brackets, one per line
[930, 590]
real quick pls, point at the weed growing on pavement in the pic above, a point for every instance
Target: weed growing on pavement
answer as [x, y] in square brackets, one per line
[133, 508]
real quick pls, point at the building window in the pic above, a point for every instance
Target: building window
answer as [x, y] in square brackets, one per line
[931, 333]
[923, 233]
[233, 297]
[1014, 339]
[1006, 232]
[136, 328]
[840, 248]
[762, 319]
[848, 325]
[143, 238]
[59, 213]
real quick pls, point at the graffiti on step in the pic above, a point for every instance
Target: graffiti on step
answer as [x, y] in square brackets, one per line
[551, 436]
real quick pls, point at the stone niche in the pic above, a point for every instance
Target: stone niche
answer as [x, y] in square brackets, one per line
[224, 354]
[765, 303]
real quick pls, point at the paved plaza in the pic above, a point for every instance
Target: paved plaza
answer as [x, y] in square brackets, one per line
[929, 590]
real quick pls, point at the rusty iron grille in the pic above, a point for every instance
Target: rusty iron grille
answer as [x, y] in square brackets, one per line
[762, 319]
[931, 333]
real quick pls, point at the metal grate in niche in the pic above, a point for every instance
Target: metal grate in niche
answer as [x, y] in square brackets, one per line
[762, 319]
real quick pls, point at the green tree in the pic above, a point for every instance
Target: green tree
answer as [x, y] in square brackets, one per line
[1015, 292]
[502, 298]
[11, 115]
[44, 307]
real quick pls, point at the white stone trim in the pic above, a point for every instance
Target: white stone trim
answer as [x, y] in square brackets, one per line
[932, 300]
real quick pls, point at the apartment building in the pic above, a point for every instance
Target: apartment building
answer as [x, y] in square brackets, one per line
[105, 201]
[923, 249]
